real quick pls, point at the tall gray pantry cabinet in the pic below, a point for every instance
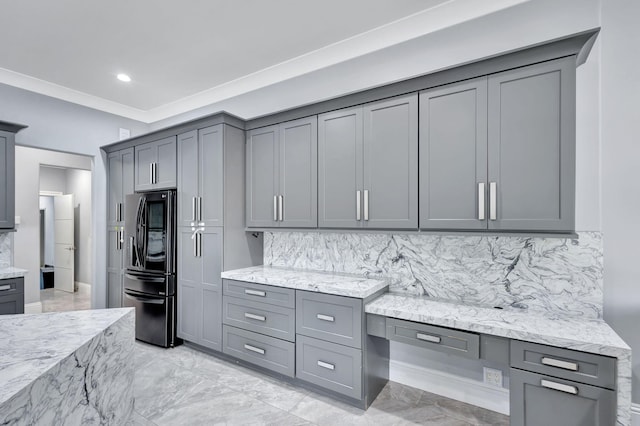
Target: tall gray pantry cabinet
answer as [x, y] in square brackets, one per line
[211, 228]
[498, 152]
[282, 176]
[120, 184]
[7, 174]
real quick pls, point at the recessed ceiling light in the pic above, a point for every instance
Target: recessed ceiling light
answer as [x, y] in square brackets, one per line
[124, 77]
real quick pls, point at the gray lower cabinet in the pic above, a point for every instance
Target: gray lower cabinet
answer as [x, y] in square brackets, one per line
[531, 147]
[155, 165]
[200, 177]
[368, 166]
[7, 173]
[540, 400]
[282, 175]
[115, 266]
[12, 296]
[265, 351]
[200, 287]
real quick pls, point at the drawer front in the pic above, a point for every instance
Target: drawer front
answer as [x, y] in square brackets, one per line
[592, 369]
[333, 318]
[540, 400]
[432, 337]
[12, 303]
[329, 365]
[262, 318]
[278, 296]
[268, 352]
[11, 286]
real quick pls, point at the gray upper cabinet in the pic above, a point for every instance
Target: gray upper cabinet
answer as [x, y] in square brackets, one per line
[453, 156]
[368, 166]
[120, 184]
[200, 177]
[532, 147]
[200, 287]
[7, 173]
[155, 165]
[282, 175]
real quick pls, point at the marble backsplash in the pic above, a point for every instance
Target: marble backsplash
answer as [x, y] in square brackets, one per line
[554, 275]
[5, 249]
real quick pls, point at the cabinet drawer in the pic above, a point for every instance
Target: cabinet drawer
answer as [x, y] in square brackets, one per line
[11, 286]
[262, 318]
[540, 400]
[260, 293]
[437, 338]
[592, 369]
[329, 365]
[11, 303]
[268, 352]
[328, 317]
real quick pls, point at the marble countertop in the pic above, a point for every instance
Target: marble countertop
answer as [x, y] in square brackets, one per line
[12, 272]
[34, 343]
[323, 282]
[583, 334]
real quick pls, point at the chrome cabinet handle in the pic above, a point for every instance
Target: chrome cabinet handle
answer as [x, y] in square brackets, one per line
[254, 292]
[327, 318]
[193, 209]
[559, 363]
[5, 287]
[255, 317]
[326, 365]
[481, 196]
[151, 173]
[199, 199]
[275, 208]
[357, 205]
[254, 349]
[428, 338]
[118, 212]
[366, 204]
[195, 245]
[493, 201]
[281, 207]
[199, 238]
[559, 387]
[155, 172]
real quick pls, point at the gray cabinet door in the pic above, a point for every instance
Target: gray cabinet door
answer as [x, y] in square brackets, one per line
[128, 185]
[211, 172]
[531, 147]
[188, 162]
[390, 191]
[262, 180]
[166, 164]
[211, 258]
[120, 184]
[7, 180]
[115, 267]
[453, 156]
[340, 168]
[189, 287]
[538, 400]
[298, 171]
[145, 155]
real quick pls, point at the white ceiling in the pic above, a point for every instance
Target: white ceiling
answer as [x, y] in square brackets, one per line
[185, 54]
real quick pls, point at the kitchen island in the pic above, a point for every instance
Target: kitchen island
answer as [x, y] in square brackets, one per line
[67, 368]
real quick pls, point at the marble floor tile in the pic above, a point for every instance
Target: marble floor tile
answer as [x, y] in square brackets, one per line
[183, 386]
[60, 301]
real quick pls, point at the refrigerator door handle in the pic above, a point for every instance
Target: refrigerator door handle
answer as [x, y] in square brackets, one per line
[144, 278]
[150, 300]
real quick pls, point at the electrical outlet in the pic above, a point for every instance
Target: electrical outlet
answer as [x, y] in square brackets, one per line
[492, 377]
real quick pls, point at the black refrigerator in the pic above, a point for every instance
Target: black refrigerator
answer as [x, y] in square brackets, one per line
[150, 275]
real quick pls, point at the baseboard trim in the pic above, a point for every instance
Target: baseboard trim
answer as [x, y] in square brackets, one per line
[83, 286]
[451, 386]
[635, 414]
[33, 308]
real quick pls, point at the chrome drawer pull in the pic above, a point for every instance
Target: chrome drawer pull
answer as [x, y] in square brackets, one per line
[254, 349]
[255, 292]
[254, 317]
[559, 387]
[5, 287]
[325, 317]
[428, 338]
[560, 364]
[326, 365]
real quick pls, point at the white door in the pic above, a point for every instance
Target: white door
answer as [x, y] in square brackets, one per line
[65, 248]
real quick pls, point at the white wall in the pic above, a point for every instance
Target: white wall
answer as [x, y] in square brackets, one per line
[27, 237]
[620, 117]
[78, 182]
[53, 179]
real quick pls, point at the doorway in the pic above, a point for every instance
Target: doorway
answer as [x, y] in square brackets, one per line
[65, 238]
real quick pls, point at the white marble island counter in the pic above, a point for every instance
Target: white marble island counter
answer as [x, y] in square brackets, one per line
[67, 367]
[323, 282]
[11, 272]
[577, 333]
